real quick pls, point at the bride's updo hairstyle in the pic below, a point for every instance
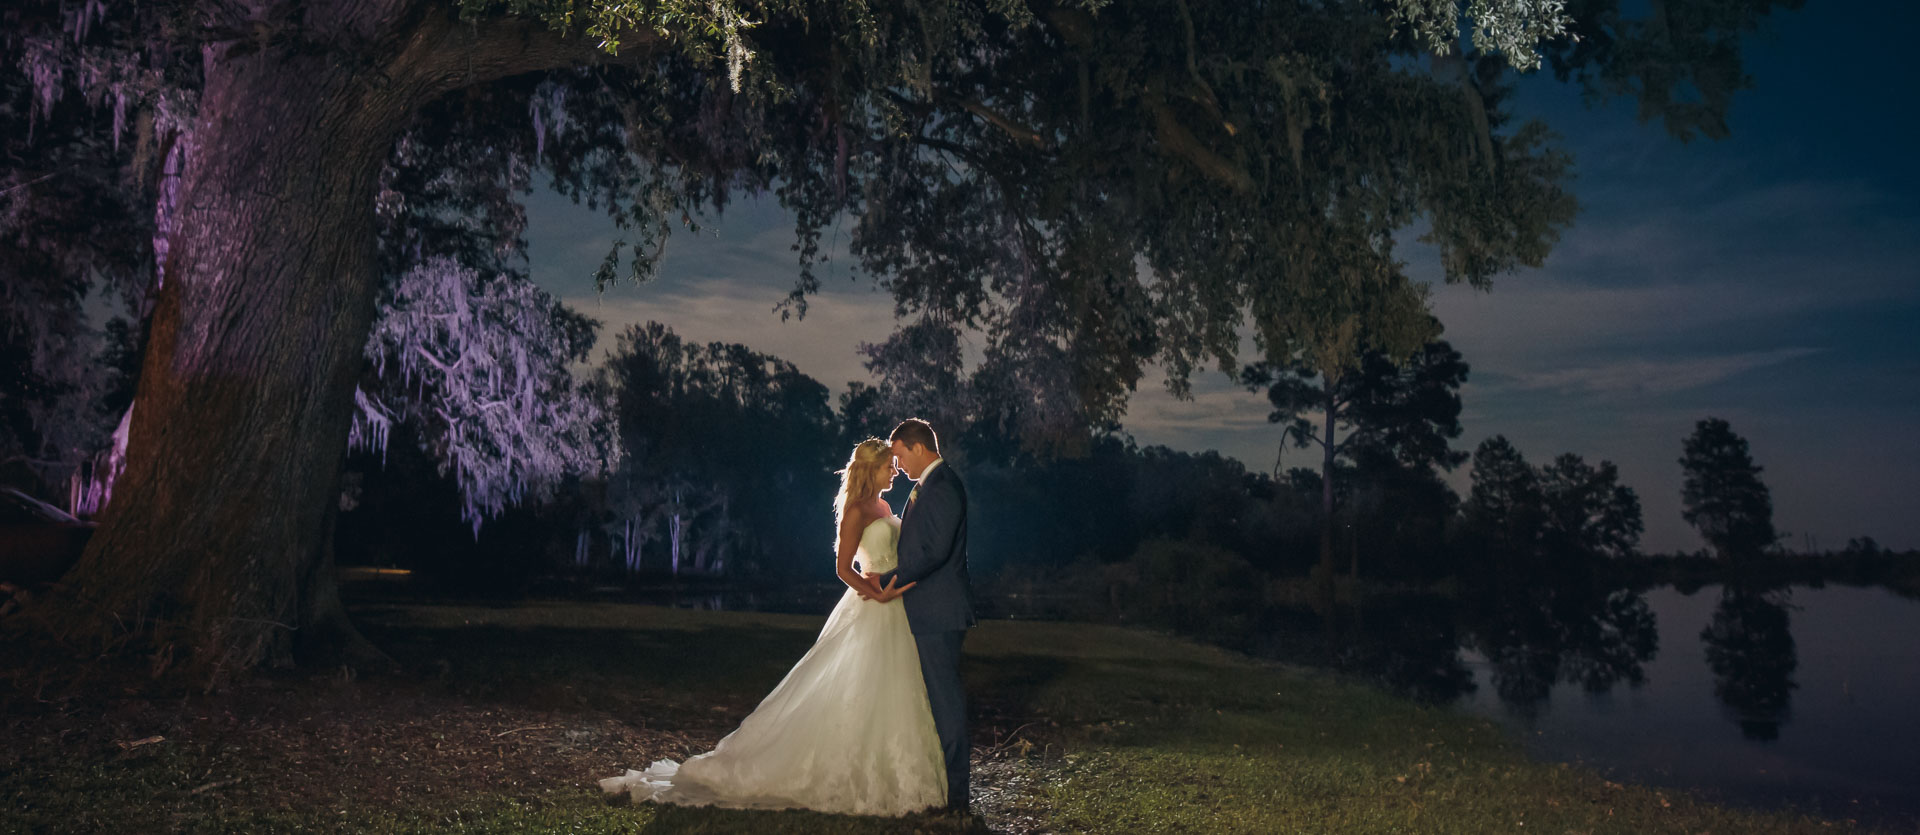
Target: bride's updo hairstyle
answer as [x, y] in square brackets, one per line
[869, 471]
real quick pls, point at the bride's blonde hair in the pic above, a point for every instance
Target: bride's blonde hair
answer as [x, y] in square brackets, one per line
[869, 471]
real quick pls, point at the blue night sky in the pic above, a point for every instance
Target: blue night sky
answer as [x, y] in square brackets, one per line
[1769, 279]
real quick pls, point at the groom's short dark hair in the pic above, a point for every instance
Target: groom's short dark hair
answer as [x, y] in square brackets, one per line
[916, 431]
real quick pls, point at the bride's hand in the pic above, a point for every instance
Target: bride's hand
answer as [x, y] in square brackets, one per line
[890, 591]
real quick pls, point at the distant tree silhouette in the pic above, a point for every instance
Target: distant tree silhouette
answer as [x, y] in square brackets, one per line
[1863, 546]
[861, 415]
[1722, 494]
[1569, 509]
[1505, 509]
[1383, 421]
[1587, 510]
[730, 451]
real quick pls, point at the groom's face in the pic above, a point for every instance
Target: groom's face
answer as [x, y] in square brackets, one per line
[910, 459]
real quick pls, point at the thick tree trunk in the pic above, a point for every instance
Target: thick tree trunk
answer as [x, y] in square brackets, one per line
[217, 545]
[216, 533]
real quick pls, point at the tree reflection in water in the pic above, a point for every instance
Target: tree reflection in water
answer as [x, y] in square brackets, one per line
[1534, 638]
[1532, 635]
[1573, 633]
[1751, 652]
[1413, 649]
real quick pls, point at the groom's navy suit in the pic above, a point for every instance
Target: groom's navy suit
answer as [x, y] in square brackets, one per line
[933, 553]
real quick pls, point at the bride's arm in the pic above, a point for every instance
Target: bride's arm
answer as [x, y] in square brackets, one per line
[850, 530]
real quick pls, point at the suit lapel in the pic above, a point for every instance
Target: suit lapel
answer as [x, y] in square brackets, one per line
[922, 487]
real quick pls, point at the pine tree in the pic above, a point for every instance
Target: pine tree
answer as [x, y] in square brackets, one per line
[1386, 420]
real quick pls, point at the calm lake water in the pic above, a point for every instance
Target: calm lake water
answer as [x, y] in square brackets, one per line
[1827, 719]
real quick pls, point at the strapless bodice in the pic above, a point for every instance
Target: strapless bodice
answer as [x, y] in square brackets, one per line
[877, 552]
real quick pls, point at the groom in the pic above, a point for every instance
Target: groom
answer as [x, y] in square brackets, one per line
[933, 553]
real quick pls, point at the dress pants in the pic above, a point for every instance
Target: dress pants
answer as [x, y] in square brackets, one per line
[940, 666]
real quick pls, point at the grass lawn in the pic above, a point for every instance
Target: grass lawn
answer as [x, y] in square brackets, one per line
[510, 714]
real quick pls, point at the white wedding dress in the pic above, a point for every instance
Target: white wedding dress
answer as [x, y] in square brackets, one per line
[848, 730]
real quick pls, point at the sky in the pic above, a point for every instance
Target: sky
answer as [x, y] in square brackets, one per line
[1769, 279]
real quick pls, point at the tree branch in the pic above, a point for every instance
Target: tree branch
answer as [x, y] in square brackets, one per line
[13, 188]
[1175, 138]
[1074, 27]
[1027, 232]
[1000, 120]
[443, 54]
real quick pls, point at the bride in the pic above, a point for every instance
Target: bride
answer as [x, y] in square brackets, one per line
[849, 729]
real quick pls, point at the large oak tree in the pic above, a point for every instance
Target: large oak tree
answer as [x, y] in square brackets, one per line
[1095, 187]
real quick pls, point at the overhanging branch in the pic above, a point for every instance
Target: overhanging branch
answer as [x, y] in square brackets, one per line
[444, 54]
[1075, 30]
[1175, 138]
[1000, 120]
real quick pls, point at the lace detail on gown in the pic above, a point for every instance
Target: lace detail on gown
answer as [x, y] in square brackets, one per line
[848, 730]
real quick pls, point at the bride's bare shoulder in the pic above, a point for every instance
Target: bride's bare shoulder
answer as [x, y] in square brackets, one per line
[859, 516]
[856, 517]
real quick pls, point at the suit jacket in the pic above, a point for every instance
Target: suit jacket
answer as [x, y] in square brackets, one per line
[933, 553]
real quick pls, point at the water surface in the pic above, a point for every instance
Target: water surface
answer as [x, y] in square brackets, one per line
[1806, 697]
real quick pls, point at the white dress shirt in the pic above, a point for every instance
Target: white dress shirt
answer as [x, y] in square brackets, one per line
[915, 492]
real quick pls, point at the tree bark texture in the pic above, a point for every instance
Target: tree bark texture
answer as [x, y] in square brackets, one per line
[217, 544]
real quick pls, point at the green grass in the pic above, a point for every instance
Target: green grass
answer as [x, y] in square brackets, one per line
[515, 711]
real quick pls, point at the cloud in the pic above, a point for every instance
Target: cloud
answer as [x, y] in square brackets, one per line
[1836, 222]
[1653, 376]
[1547, 317]
[751, 242]
[1667, 269]
[1154, 412]
[718, 284]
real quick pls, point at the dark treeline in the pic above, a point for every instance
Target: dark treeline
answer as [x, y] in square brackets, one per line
[728, 472]
[728, 467]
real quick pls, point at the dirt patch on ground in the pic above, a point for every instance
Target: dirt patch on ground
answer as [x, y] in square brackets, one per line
[306, 745]
[1010, 792]
[313, 746]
